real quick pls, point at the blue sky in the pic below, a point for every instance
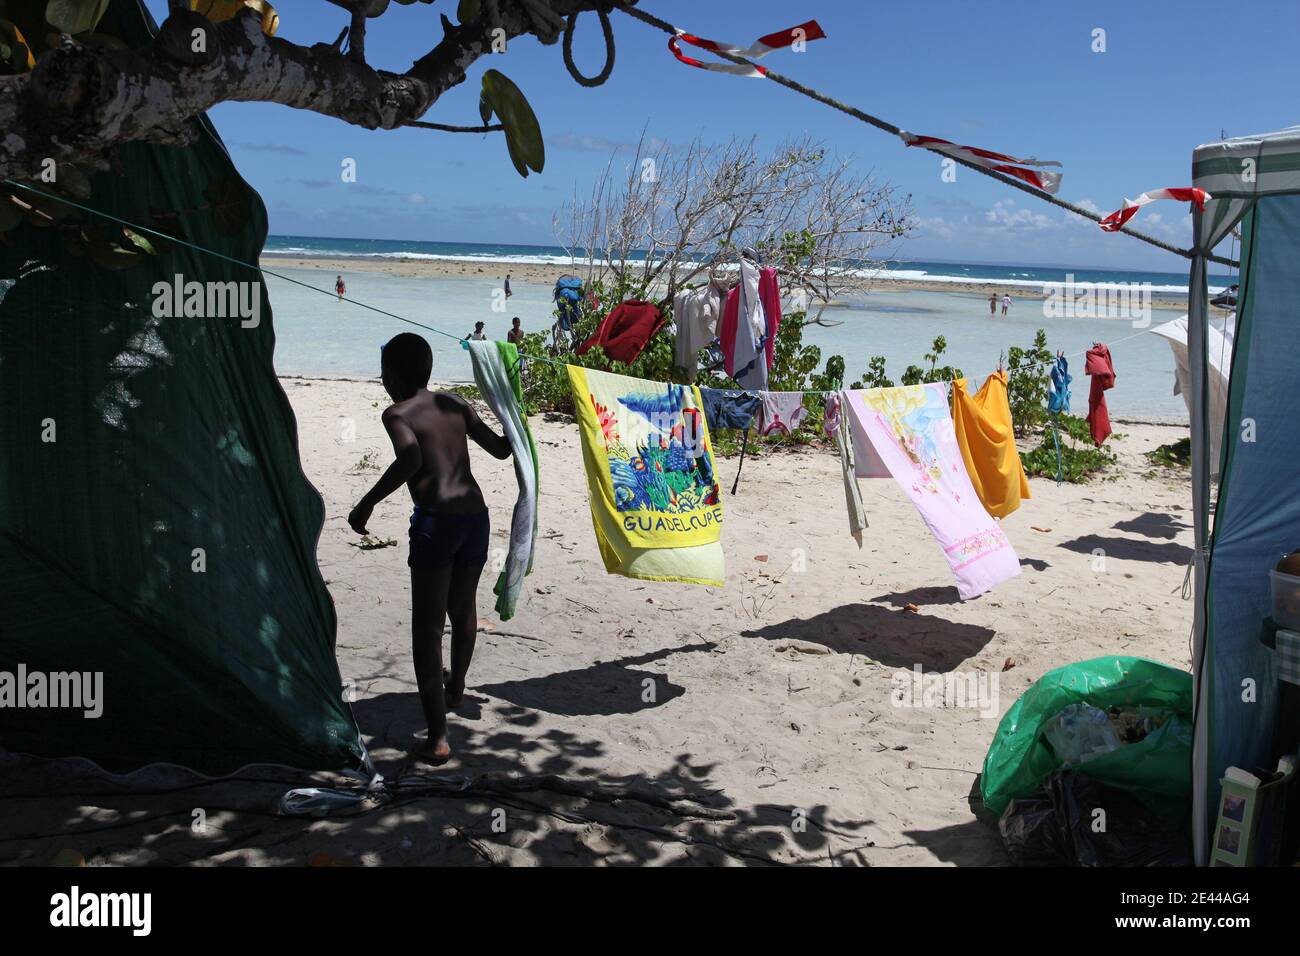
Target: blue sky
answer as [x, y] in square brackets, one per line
[1003, 76]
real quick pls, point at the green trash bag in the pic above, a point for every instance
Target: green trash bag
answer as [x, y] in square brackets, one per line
[1020, 758]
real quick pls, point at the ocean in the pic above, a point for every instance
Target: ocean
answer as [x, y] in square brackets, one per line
[320, 336]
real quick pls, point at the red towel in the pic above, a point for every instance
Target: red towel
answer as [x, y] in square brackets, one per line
[769, 293]
[1099, 366]
[626, 330]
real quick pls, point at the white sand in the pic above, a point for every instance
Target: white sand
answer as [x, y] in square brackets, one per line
[771, 695]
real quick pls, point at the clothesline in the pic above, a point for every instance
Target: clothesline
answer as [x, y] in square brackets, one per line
[365, 305]
[769, 73]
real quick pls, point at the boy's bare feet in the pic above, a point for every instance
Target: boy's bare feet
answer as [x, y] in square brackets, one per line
[435, 753]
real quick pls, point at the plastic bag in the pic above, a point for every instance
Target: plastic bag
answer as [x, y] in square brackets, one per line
[1076, 821]
[1079, 733]
[1020, 759]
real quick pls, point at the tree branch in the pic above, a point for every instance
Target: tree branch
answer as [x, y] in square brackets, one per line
[79, 101]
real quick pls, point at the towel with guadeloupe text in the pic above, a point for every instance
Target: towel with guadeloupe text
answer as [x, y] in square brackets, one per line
[655, 500]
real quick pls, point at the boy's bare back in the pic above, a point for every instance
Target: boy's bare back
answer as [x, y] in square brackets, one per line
[438, 424]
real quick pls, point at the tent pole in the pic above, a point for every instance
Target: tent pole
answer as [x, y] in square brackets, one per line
[1197, 319]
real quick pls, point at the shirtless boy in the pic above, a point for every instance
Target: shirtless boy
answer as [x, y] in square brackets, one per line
[449, 526]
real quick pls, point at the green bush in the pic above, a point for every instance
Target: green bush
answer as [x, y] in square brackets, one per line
[875, 376]
[1028, 375]
[1079, 460]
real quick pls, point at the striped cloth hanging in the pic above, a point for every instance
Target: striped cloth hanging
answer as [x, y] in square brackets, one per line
[1115, 221]
[1039, 178]
[760, 48]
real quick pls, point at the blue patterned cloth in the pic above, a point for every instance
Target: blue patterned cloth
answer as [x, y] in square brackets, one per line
[1058, 398]
[729, 409]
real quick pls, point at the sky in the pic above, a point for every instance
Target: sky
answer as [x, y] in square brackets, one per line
[1002, 76]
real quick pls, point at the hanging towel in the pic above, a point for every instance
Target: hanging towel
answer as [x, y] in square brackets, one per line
[867, 463]
[988, 444]
[655, 502]
[625, 331]
[1097, 363]
[912, 430]
[743, 326]
[695, 313]
[780, 412]
[496, 373]
[725, 408]
[769, 293]
[1058, 393]
[835, 428]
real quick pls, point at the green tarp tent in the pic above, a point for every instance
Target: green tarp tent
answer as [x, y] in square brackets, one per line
[155, 523]
[1255, 182]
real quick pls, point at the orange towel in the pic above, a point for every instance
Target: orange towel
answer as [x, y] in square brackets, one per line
[988, 444]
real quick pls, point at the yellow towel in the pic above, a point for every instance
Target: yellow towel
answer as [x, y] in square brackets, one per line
[655, 501]
[988, 444]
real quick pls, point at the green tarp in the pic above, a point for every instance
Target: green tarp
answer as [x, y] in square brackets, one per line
[165, 537]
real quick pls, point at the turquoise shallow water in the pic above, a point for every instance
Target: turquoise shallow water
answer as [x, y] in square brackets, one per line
[316, 335]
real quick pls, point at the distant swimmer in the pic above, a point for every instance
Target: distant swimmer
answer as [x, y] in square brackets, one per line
[1006, 303]
[339, 287]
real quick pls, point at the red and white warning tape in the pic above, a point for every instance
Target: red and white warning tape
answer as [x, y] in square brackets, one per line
[1039, 178]
[760, 48]
[1115, 221]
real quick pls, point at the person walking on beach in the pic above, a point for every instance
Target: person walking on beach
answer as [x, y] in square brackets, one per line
[477, 335]
[449, 524]
[507, 286]
[993, 303]
[1006, 302]
[339, 287]
[516, 333]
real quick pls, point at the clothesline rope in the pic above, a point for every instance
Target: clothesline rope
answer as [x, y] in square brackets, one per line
[365, 305]
[651, 20]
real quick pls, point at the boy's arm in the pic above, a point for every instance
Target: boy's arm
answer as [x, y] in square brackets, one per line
[407, 461]
[495, 445]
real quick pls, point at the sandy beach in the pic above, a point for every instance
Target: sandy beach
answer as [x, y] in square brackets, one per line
[767, 704]
[545, 275]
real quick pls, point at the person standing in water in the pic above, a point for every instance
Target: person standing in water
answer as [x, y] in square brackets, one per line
[507, 286]
[339, 287]
[449, 524]
[993, 303]
[477, 335]
[516, 333]
[1006, 302]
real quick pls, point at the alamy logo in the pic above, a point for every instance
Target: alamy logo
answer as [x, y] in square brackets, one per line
[1098, 300]
[75, 908]
[208, 300]
[82, 690]
[977, 690]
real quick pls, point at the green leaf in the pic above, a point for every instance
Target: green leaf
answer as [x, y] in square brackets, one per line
[75, 16]
[523, 133]
[467, 10]
[141, 242]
